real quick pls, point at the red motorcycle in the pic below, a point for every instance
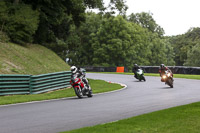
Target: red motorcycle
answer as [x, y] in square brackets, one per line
[80, 87]
[168, 78]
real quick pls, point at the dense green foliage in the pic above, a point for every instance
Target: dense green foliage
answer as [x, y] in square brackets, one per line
[193, 56]
[4, 37]
[146, 21]
[187, 48]
[107, 38]
[116, 41]
[19, 21]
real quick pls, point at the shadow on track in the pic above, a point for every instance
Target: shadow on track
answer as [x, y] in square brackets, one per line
[75, 98]
[139, 81]
[166, 87]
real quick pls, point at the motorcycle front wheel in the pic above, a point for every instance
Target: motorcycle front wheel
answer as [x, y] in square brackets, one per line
[143, 78]
[78, 92]
[170, 83]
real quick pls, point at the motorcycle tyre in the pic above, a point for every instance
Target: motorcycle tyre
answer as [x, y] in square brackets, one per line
[90, 93]
[78, 93]
[143, 78]
[170, 83]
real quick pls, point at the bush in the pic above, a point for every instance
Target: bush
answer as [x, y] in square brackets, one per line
[19, 21]
[193, 56]
[4, 37]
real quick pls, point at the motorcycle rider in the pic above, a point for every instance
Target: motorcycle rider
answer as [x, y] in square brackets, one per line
[162, 70]
[77, 71]
[135, 69]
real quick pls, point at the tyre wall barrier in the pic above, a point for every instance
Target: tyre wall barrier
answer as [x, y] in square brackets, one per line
[102, 69]
[149, 69]
[33, 84]
[174, 69]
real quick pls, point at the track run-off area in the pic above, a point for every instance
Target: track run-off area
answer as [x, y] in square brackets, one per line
[71, 113]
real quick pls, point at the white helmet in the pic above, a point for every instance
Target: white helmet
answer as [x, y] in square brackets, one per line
[73, 69]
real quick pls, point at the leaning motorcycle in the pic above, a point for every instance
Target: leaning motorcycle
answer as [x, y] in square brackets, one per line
[80, 87]
[140, 75]
[168, 79]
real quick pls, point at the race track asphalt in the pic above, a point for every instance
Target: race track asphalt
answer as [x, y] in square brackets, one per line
[71, 113]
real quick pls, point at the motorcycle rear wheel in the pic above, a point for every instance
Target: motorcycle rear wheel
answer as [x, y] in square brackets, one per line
[89, 92]
[143, 78]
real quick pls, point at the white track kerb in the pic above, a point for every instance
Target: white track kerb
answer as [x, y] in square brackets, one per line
[124, 87]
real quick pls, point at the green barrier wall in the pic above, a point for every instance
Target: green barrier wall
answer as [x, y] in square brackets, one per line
[33, 84]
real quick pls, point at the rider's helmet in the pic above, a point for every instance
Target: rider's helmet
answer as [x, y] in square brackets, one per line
[135, 65]
[162, 66]
[73, 69]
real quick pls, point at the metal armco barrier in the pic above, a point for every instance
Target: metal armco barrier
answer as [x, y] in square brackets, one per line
[48, 82]
[14, 84]
[33, 84]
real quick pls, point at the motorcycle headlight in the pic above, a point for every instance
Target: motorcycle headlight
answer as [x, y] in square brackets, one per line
[164, 76]
[168, 74]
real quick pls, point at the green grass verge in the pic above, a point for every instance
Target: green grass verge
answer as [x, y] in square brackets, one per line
[182, 119]
[98, 86]
[186, 76]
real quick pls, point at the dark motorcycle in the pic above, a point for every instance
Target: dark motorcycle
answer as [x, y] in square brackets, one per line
[168, 79]
[80, 87]
[140, 75]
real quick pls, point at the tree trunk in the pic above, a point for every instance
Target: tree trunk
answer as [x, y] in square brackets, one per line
[2, 26]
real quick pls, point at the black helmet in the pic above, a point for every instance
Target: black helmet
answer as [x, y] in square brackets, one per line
[162, 66]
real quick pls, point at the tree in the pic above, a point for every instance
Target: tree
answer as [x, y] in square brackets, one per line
[86, 32]
[193, 56]
[55, 12]
[57, 19]
[182, 44]
[118, 5]
[146, 21]
[119, 43]
[3, 14]
[19, 21]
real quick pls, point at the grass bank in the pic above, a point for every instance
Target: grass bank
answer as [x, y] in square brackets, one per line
[30, 59]
[182, 119]
[98, 86]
